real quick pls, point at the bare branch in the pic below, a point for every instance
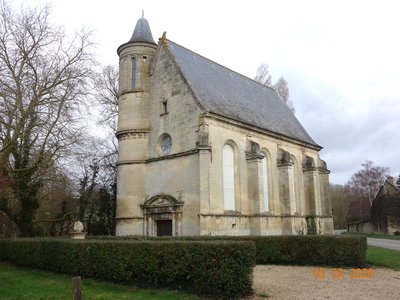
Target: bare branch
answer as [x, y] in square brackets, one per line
[44, 79]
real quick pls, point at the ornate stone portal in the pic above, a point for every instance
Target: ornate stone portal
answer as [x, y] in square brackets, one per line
[162, 216]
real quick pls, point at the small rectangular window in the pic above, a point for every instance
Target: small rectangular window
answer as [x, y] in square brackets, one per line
[133, 79]
[164, 107]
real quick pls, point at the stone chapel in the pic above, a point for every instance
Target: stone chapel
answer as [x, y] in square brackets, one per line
[204, 150]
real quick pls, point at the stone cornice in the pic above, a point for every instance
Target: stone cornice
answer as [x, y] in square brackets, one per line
[132, 134]
[284, 164]
[138, 91]
[129, 218]
[323, 171]
[130, 162]
[135, 45]
[172, 156]
[264, 215]
[224, 119]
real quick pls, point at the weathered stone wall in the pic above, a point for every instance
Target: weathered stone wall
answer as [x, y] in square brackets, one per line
[364, 227]
[302, 194]
[179, 178]
[182, 119]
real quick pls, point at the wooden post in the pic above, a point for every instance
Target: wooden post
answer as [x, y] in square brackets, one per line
[76, 288]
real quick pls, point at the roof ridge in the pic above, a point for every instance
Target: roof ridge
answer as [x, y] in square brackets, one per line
[392, 184]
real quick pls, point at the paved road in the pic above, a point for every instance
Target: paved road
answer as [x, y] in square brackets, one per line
[384, 243]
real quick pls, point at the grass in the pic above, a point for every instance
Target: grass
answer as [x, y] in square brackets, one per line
[377, 256]
[17, 283]
[375, 235]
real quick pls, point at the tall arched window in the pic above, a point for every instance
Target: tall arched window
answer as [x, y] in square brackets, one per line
[265, 183]
[295, 206]
[228, 177]
[293, 187]
[133, 78]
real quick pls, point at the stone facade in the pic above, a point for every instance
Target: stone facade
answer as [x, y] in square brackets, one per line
[179, 187]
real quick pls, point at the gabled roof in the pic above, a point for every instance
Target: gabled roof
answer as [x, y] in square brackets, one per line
[387, 188]
[224, 92]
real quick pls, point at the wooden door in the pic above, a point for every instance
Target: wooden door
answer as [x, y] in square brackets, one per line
[164, 227]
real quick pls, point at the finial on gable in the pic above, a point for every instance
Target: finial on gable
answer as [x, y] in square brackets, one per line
[163, 39]
[142, 13]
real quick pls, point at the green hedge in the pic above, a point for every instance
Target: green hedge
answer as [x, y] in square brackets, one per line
[311, 250]
[340, 251]
[222, 268]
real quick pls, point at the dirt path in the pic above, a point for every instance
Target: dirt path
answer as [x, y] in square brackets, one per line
[290, 282]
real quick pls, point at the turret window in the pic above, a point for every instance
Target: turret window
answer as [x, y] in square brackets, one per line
[164, 107]
[133, 78]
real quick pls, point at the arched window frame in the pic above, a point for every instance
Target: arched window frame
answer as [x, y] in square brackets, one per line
[267, 181]
[133, 72]
[230, 203]
[296, 192]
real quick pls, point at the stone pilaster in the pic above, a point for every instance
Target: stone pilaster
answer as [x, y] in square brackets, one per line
[326, 207]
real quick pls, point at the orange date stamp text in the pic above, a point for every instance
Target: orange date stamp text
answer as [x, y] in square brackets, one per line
[339, 273]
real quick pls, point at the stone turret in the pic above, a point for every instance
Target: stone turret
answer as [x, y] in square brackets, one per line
[135, 63]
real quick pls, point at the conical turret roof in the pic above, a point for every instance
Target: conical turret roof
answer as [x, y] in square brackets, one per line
[142, 32]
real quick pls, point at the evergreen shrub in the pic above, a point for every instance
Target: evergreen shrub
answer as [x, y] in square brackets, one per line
[330, 250]
[218, 268]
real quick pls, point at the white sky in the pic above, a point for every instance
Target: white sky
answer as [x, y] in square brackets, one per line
[340, 58]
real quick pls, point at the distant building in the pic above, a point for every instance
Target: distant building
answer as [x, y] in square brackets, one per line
[385, 210]
[384, 214]
[204, 150]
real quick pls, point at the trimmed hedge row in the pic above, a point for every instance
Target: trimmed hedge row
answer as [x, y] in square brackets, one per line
[311, 250]
[222, 268]
[338, 251]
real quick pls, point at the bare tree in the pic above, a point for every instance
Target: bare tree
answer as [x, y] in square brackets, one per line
[97, 189]
[282, 89]
[339, 198]
[368, 180]
[107, 96]
[43, 79]
[264, 77]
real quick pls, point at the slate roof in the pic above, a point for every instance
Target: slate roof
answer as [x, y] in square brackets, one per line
[222, 91]
[142, 32]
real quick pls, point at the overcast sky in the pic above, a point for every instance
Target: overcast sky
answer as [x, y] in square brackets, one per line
[340, 58]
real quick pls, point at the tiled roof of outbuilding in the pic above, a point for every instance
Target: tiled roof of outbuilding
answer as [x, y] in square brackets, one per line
[222, 91]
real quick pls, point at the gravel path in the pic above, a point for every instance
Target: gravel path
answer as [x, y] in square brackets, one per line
[292, 282]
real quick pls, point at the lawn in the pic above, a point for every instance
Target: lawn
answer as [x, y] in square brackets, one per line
[377, 256]
[375, 235]
[17, 283]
